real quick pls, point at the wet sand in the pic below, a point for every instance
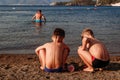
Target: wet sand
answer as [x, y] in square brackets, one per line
[26, 67]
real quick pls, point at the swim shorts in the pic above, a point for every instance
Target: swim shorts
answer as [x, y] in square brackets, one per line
[38, 21]
[96, 63]
[53, 70]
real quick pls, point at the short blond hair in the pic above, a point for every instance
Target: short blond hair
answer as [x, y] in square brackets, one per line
[88, 31]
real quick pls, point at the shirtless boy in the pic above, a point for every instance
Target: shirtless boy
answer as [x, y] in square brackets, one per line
[38, 17]
[93, 52]
[53, 55]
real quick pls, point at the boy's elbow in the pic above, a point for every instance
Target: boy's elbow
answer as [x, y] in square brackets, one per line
[36, 51]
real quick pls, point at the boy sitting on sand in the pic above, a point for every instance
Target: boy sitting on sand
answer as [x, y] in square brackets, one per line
[53, 55]
[92, 52]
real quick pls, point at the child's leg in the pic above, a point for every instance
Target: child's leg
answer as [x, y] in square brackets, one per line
[86, 57]
[42, 58]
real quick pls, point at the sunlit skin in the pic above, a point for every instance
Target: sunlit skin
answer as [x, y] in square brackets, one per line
[53, 54]
[39, 16]
[91, 47]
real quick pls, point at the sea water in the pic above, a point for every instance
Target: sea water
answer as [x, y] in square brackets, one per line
[18, 35]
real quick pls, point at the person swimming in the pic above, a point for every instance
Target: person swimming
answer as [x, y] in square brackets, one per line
[39, 17]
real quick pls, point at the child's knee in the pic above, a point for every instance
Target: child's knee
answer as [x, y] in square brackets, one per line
[80, 50]
[42, 51]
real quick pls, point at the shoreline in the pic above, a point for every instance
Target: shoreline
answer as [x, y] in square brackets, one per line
[32, 53]
[26, 67]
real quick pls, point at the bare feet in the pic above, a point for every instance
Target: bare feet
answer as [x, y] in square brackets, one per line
[100, 69]
[41, 67]
[88, 69]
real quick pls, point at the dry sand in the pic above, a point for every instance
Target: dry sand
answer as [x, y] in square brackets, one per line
[26, 67]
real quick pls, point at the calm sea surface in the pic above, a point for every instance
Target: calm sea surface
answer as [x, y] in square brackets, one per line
[19, 35]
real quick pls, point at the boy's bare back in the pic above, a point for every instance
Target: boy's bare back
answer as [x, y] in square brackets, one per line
[55, 54]
[98, 50]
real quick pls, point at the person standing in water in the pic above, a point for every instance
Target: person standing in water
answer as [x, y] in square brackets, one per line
[39, 17]
[53, 55]
[92, 51]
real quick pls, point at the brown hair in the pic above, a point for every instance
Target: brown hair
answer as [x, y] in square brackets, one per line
[59, 32]
[88, 31]
[39, 11]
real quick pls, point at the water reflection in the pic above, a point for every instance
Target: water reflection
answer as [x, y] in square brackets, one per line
[38, 25]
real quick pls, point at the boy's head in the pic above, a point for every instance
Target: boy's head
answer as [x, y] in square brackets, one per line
[39, 11]
[59, 33]
[87, 32]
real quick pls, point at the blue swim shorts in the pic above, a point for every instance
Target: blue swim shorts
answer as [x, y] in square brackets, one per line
[38, 21]
[53, 70]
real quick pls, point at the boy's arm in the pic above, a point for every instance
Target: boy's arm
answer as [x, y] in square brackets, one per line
[39, 48]
[84, 43]
[33, 17]
[44, 18]
[65, 55]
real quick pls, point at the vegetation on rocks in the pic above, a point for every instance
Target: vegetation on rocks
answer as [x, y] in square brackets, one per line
[87, 2]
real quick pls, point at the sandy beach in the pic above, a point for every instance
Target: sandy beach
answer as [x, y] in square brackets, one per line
[26, 67]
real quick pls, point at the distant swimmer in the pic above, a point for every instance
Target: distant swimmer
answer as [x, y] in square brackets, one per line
[39, 17]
